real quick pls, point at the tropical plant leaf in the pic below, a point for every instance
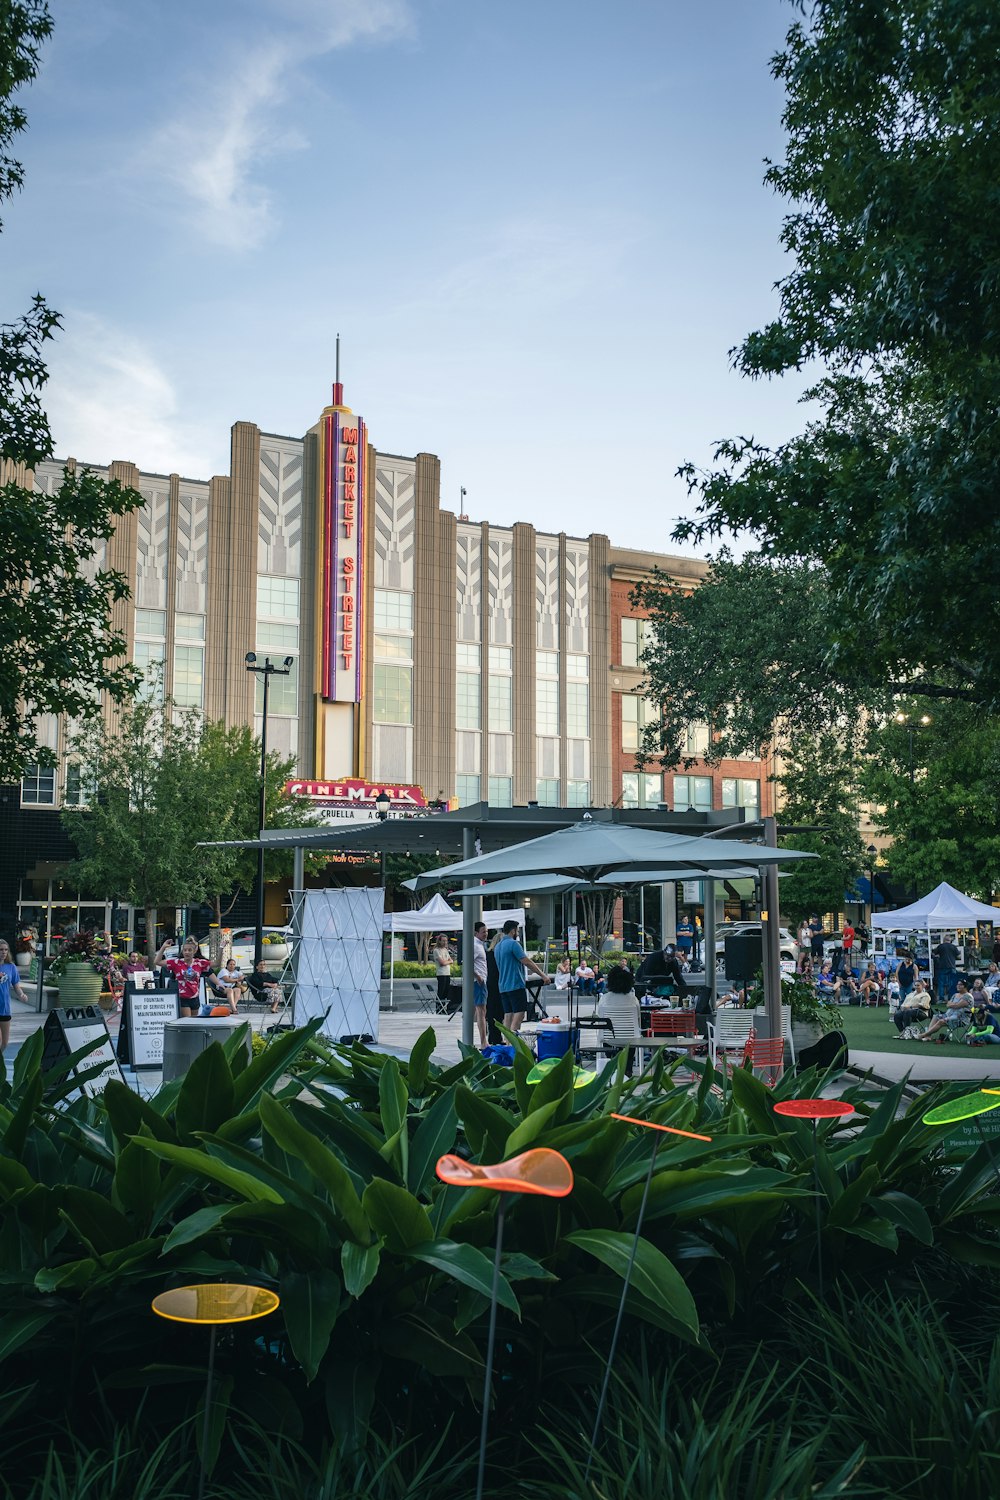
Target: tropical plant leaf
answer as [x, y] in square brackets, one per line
[434, 1136]
[429, 1341]
[359, 1264]
[137, 1182]
[321, 1161]
[200, 1164]
[469, 1266]
[534, 1124]
[418, 1066]
[205, 1100]
[128, 1113]
[310, 1304]
[486, 1126]
[906, 1213]
[269, 1065]
[396, 1215]
[98, 1225]
[654, 1276]
[18, 1328]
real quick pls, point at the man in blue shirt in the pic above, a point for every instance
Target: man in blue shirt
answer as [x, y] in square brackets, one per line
[511, 964]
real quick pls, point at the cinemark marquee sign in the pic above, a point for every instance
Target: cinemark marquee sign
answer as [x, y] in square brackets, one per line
[345, 448]
[354, 801]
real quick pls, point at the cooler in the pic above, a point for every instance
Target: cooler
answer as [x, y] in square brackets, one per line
[552, 1039]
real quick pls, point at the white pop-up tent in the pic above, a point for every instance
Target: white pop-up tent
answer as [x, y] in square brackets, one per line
[943, 909]
[438, 916]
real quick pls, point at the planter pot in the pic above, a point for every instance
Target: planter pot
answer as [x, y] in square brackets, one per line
[23, 961]
[275, 953]
[80, 985]
[806, 1034]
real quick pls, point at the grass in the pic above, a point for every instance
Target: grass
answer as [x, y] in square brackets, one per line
[870, 1029]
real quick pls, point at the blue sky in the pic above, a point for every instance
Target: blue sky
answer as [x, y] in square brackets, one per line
[539, 228]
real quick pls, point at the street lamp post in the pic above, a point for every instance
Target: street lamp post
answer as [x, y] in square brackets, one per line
[383, 802]
[872, 855]
[267, 669]
[902, 718]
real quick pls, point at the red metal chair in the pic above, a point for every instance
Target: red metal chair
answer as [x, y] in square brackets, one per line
[672, 1023]
[765, 1054]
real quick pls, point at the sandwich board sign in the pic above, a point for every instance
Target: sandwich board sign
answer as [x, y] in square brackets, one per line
[66, 1031]
[144, 1015]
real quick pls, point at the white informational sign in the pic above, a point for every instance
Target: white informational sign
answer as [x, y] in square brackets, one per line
[338, 959]
[692, 892]
[573, 939]
[79, 1036]
[148, 1013]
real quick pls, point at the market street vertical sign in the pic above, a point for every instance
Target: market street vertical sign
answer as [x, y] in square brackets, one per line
[345, 450]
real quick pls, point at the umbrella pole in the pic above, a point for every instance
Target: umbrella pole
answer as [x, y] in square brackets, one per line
[488, 1378]
[621, 1312]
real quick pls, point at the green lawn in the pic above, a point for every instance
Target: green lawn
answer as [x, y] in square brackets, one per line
[871, 1030]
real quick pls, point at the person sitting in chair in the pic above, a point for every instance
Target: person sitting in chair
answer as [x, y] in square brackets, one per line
[586, 979]
[956, 1013]
[263, 986]
[916, 1007]
[620, 1007]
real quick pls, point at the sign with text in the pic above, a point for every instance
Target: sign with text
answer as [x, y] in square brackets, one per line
[354, 801]
[144, 1015]
[344, 461]
[66, 1031]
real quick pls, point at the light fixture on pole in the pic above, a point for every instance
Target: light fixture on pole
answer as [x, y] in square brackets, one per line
[902, 718]
[383, 802]
[872, 856]
[266, 670]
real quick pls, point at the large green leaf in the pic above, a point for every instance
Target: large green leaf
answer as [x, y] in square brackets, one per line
[310, 1303]
[28, 1059]
[556, 1087]
[321, 1161]
[137, 1182]
[533, 1126]
[906, 1213]
[465, 1264]
[196, 1226]
[14, 1178]
[428, 1340]
[653, 1275]
[486, 1126]
[392, 1097]
[18, 1328]
[359, 1264]
[16, 1132]
[269, 1065]
[691, 1193]
[98, 1225]
[396, 1215]
[205, 1100]
[202, 1165]
[129, 1112]
[417, 1067]
[435, 1135]
[851, 1201]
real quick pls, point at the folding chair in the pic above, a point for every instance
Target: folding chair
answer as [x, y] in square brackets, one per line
[672, 1023]
[762, 1054]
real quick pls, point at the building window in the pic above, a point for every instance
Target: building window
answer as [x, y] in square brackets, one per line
[468, 688]
[577, 710]
[393, 647]
[737, 792]
[467, 790]
[393, 611]
[501, 791]
[635, 638]
[696, 737]
[151, 623]
[277, 598]
[636, 714]
[578, 794]
[501, 705]
[73, 793]
[189, 627]
[501, 659]
[393, 694]
[274, 636]
[547, 791]
[692, 794]
[38, 787]
[547, 692]
[283, 692]
[642, 789]
[150, 651]
[189, 676]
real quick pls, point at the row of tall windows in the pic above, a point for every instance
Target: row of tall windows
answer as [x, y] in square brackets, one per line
[392, 668]
[690, 793]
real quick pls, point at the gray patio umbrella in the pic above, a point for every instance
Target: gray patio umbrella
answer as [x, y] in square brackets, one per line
[556, 885]
[588, 850]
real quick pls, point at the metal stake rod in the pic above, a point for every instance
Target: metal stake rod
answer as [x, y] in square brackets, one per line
[621, 1313]
[208, 1411]
[819, 1231]
[488, 1380]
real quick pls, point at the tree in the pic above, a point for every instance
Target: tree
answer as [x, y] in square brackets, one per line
[941, 809]
[59, 650]
[160, 783]
[892, 163]
[820, 791]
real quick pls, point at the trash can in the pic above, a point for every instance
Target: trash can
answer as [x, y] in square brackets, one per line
[184, 1039]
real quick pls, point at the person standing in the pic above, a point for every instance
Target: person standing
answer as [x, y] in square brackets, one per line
[946, 958]
[512, 961]
[805, 936]
[816, 938]
[189, 969]
[906, 976]
[480, 973]
[662, 972]
[848, 945]
[441, 954]
[699, 935]
[10, 984]
[685, 936]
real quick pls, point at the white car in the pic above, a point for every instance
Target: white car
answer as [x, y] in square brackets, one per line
[788, 947]
[276, 944]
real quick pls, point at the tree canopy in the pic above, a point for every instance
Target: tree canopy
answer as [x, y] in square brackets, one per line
[892, 174]
[59, 651]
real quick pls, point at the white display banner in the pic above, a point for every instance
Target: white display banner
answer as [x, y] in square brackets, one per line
[338, 959]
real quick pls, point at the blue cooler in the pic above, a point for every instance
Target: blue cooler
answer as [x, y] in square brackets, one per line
[553, 1041]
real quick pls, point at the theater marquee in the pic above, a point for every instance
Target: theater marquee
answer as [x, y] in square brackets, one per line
[353, 801]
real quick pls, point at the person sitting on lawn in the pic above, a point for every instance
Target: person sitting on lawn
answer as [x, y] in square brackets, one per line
[916, 1007]
[956, 1013]
[871, 985]
[827, 983]
[984, 1028]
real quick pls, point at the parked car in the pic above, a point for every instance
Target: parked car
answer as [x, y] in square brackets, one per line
[787, 946]
[276, 945]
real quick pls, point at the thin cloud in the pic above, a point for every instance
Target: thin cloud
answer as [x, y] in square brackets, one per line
[210, 151]
[107, 398]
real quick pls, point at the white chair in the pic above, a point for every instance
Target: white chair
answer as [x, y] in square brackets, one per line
[729, 1031]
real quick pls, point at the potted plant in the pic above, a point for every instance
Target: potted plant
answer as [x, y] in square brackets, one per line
[73, 971]
[25, 948]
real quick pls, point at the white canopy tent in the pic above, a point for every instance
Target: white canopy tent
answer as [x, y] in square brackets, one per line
[942, 909]
[438, 916]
